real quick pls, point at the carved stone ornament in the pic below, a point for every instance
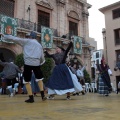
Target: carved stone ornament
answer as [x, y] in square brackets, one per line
[61, 1]
[85, 14]
[44, 3]
[73, 14]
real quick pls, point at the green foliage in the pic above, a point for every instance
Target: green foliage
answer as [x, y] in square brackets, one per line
[19, 60]
[87, 77]
[46, 67]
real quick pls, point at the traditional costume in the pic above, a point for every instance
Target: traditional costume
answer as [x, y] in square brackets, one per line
[62, 80]
[33, 58]
[104, 79]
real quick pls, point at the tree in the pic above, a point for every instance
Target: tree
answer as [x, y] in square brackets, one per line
[46, 67]
[87, 77]
[19, 61]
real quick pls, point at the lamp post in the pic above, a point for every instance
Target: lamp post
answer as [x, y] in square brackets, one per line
[28, 10]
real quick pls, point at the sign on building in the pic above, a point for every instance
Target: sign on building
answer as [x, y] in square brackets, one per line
[8, 26]
[46, 37]
[77, 45]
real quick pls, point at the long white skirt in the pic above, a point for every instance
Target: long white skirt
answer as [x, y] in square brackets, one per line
[77, 87]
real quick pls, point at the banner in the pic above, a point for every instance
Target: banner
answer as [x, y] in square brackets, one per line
[77, 45]
[8, 26]
[46, 37]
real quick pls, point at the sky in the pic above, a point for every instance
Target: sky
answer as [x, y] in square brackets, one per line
[97, 21]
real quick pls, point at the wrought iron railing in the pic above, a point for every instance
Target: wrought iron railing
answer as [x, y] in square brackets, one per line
[26, 24]
[33, 26]
[69, 36]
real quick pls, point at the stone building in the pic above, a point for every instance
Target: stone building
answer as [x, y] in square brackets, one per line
[65, 17]
[111, 38]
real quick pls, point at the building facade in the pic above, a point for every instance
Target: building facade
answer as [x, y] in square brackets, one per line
[93, 44]
[111, 38]
[65, 17]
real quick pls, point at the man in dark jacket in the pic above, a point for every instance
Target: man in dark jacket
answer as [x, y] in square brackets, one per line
[9, 73]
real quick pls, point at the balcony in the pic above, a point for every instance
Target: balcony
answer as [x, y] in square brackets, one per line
[69, 35]
[26, 24]
[31, 26]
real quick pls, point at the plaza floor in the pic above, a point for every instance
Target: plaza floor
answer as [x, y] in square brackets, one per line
[91, 106]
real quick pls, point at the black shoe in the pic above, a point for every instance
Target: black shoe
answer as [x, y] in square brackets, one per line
[83, 93]
[106, 95]
[22, 93]
[77, 94]
[30, 100]
[44, 98]
[51, 97]
[68, 98]
[74, 94]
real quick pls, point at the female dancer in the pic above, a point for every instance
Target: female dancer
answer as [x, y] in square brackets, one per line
[61, 81]
[104, 78]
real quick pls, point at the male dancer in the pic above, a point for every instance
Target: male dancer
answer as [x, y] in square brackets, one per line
[33, 58]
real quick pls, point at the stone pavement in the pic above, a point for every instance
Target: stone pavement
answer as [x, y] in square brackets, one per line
[91, 106]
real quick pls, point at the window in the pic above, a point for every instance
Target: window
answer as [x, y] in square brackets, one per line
[73, 28]
[43, 18]
[117, 54]
[117, 36]
[7, 7]
[116, 13]
[97, 54]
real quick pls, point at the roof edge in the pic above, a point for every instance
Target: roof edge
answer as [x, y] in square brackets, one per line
[103, 9]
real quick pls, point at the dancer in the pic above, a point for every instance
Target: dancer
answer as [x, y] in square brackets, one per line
[104, 79]
[74, 70]
[80, 75]
[33, 58]
[60, 82]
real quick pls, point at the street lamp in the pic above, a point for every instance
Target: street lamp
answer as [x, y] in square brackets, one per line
[28, 10]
